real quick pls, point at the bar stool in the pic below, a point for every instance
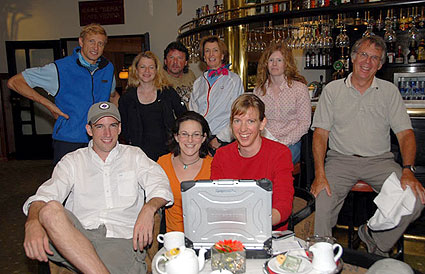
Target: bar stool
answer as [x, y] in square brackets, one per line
[363, 187]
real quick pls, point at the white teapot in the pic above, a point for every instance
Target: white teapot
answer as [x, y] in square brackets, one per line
[182, 260]
[324, 259]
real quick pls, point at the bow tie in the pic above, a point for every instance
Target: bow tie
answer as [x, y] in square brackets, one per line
[224, 70]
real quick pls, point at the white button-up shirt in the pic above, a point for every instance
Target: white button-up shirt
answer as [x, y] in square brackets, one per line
[110, 193]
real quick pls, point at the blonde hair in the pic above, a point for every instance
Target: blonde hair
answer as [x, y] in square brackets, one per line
[246, 101]
[92, 29]
[290, 71]
[160, 81]
[221, 45]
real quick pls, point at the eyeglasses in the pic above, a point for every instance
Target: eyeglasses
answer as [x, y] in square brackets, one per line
[195, 136]
[364, 56]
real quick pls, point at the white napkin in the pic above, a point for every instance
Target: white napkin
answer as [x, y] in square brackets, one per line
[393, 202]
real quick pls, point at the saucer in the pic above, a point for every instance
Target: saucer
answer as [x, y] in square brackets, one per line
[304, 268]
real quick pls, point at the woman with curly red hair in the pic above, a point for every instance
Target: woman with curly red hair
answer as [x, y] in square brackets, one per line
[285, 94]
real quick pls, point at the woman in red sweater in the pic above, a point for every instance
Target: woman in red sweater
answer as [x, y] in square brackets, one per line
[256, 157]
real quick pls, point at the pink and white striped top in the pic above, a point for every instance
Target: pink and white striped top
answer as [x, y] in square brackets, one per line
[288, 112]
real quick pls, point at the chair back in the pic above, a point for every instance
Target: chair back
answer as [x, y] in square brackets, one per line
[301, 220]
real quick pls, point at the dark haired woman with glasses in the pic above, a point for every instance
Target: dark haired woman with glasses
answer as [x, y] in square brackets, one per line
[188, 160]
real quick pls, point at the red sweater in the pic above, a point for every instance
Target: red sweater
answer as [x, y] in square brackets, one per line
[273, 162]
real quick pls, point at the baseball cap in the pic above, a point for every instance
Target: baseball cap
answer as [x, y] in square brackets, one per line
[102, 109]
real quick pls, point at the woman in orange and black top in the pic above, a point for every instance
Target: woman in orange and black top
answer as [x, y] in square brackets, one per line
[188, 160]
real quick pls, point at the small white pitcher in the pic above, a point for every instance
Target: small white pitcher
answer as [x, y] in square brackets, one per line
[323, 256]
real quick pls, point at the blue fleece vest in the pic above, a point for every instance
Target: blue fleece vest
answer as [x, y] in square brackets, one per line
[78, 91]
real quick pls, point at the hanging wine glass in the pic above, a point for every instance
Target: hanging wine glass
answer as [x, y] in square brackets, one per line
[413, 33]
[319, 40]
[328, 38]
[256, 43]
[369, 28]
[380, 22]
[342, 40]
[274, 36]
[249, 46]
[389, 35]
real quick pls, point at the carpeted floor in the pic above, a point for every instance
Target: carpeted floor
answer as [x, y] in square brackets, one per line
[18, 180]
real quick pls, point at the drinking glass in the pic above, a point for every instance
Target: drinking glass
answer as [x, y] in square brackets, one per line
[369, 29]
[342, 40]
[389, 35]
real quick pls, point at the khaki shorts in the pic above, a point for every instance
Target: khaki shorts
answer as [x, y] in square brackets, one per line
[117, 254]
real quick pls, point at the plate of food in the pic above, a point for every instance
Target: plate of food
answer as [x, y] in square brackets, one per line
[283, 264]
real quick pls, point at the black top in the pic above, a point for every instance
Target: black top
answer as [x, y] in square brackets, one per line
[149, 125]
[154, 140]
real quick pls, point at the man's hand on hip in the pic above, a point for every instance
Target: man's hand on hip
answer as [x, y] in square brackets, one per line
[320, 183]
[56, 112]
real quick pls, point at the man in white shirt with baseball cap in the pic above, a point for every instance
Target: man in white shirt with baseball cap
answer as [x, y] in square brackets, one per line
[112, 192]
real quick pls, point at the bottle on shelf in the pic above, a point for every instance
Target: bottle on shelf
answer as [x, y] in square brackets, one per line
[329, 60]
[347, 63]
[316, 58]
[390, 53]
[421, 51]
[307, 59]
[313, 63]
[399, 58]
[412, 57]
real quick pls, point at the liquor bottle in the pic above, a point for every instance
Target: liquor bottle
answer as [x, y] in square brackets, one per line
[347, 63]
[421, 51]
[307, 59]
[313, 59]
[399, 58]
[390, 53]
[412, 57]
[319, 58]
[329, 60]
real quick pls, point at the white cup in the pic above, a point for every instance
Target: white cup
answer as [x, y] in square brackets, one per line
[171, 239]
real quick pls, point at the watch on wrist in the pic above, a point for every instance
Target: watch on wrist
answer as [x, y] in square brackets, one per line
[411, 167]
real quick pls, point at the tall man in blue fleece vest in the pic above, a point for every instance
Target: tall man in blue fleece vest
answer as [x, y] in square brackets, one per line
[77, 82]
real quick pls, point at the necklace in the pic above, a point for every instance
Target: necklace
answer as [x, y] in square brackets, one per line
[186, 165]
